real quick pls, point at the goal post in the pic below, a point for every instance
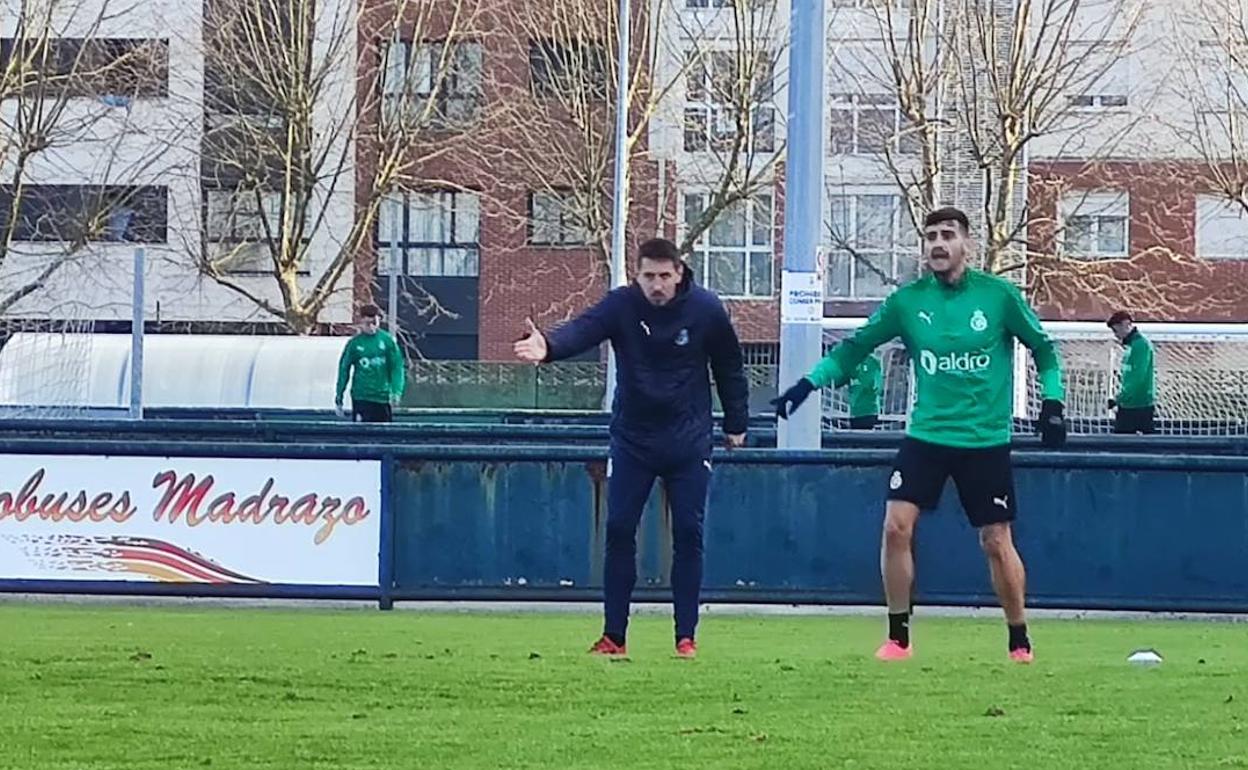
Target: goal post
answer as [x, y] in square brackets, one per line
[1201, 371]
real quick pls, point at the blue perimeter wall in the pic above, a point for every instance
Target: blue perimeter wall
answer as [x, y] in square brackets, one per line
[507, 513]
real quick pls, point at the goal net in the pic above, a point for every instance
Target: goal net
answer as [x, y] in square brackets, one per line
[1201, 371]
[46, 367]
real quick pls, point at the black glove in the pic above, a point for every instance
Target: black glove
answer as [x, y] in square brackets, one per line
[1113, 404]
[791, 399]
[1052, 424]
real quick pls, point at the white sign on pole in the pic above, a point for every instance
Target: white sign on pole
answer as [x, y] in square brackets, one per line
[801, 299]
[190, 520]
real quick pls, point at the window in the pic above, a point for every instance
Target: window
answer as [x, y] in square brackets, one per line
[238, 228]
[1094, 224]
[869, 124]
[734, 256]
[568, 69]
[1221, 228]
[86, 213]
[251, 50]
[1103, 82]
[436, 84]
[713, 101]
[869, 257]
[1222, 77]
[555, 219]
[437, 231]
[112, 69]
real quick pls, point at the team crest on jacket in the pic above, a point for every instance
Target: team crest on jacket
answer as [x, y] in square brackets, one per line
[979, 321]
[682, 338]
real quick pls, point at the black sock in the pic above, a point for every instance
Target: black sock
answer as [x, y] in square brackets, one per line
[899, 628]
[1018, 638]
[616, 638]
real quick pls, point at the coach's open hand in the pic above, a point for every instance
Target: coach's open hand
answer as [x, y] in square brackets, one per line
[1052, 424]
[791, 399]
[532, 347]
[734, 440]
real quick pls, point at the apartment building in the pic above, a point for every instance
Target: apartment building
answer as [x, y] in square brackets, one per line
[1145, 182]
[120, 130]
[493, 207]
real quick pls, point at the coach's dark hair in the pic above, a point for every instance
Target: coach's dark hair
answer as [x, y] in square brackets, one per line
[1118, 318]
[370, 311]
[948, 214]
[660, 250]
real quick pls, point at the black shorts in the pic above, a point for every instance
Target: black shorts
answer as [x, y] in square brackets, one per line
[370, 411]
[865, 422]
[1134, 420]
[984, 479]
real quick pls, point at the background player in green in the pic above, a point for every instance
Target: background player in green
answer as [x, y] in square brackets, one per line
[1137, 397]
[374, 363]
[958, 325]
[866, 386]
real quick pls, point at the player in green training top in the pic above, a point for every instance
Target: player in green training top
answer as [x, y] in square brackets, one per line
[374, 363]
[959, 325]
[1137, 397]
[865, 387]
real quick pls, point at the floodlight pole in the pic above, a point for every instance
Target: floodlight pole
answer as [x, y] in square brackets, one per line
[801, 302]
[619, 216]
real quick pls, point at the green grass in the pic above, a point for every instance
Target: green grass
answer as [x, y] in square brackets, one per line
[148, 688]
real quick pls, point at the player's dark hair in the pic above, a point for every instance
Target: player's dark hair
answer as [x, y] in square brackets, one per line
[370, 311]
[660, 250]
[1118, 318]
[948, 214]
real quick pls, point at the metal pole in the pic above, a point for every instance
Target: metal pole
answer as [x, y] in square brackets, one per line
[619, 216]
[136, 338]
[392, 291]
[801, 305]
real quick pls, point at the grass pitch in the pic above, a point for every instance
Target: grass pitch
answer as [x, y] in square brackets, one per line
[165, 688]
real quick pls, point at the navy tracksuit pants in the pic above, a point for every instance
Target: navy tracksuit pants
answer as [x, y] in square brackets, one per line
[631, 474]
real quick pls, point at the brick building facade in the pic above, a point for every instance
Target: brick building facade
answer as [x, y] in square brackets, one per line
[1149, 236]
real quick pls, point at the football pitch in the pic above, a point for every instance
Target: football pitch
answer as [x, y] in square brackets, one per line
[89, 687]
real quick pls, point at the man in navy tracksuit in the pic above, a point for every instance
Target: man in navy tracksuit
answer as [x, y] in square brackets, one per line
[664, 331]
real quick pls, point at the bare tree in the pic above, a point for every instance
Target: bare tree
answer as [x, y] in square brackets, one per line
[300, 153]
[559, 147]
[1037, 62]
[733, 132]
[976, 86]
[894, 71]
[1215, 87]
[65, 92]
[557, 151]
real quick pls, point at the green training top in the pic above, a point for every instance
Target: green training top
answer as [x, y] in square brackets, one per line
[377, 364]
[960, 339]
[865, 387]
[1138, 381]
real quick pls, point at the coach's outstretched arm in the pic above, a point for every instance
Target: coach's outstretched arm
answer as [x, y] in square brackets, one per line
[588, 330]
[728, 366]
[1022, 322]
[838, 365]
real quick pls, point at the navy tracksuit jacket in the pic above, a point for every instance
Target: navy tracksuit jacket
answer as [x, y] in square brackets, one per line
[661, 426]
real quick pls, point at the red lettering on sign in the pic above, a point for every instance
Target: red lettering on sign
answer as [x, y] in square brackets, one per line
[27, 504]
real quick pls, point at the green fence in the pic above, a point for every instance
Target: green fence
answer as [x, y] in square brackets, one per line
[489, 385]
